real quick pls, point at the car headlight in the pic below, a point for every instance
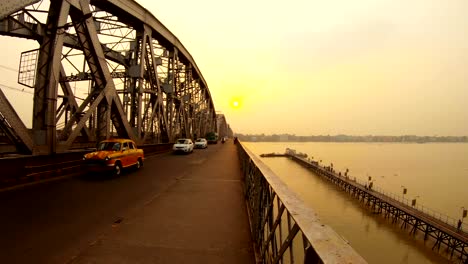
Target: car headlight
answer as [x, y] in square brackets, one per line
[107, 158]
[84, 157]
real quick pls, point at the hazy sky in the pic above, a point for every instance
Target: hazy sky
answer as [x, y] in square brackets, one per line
[329, 67]
[308, 67]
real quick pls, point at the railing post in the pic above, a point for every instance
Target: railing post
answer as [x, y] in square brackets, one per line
[268, 200]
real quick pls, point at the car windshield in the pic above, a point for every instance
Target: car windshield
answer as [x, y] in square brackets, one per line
[109, 146]
[182, 141]
[199, 140]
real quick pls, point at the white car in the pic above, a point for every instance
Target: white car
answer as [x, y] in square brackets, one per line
[183, 145]
[201, 143]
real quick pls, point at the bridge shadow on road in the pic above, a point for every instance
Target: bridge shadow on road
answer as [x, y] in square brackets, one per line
[175, 209]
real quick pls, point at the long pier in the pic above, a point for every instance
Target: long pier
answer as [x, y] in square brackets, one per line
[455, 240]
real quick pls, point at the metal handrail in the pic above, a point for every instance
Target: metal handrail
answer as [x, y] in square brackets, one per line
[284, 228]
[399, 198]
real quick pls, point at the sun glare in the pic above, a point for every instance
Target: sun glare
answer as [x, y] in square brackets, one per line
[235, 103]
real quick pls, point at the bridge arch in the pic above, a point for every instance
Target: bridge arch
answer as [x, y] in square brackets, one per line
[131, 76]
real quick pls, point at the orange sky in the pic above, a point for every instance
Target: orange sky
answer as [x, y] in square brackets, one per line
[307, 67]
[329, 67]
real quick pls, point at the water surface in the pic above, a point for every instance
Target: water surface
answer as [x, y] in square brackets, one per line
[434, 174]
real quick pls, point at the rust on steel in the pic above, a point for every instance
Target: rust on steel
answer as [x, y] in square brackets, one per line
[10, 6]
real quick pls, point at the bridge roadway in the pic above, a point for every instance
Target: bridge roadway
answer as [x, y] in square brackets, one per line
[176, 209]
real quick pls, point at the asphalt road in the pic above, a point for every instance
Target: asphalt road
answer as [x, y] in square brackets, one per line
[54, 222]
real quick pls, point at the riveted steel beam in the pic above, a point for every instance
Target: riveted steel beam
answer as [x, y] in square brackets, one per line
[8, 7]
[48, 72]
[12, 125]
[70, 102]
[132, 76]
[103, 83]
[133, 13]
[11, 26]
[155, 104]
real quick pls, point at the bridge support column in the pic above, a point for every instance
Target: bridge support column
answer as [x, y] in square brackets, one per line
[48, 72]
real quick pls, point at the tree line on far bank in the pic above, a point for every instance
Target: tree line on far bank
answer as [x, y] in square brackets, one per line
[348, 138]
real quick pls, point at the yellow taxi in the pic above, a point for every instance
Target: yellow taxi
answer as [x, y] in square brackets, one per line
[113, 155]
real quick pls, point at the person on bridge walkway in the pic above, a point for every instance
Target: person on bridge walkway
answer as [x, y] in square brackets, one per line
[459, 225]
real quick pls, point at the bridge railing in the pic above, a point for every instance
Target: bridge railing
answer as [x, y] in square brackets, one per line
[284, 228]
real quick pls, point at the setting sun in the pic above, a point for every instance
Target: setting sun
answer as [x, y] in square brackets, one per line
[235, 103]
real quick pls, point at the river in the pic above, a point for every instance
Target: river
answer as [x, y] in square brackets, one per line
[434, 174]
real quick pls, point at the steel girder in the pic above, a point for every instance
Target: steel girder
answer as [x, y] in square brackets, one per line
[107, 68]
[223, 127]
[13, 127]
[10, 6]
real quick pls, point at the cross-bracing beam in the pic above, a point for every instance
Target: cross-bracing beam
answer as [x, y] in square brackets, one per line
[107, 69]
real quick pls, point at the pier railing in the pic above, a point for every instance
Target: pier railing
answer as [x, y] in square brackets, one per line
[455, 240]
[284, 229]
[399, 198]
[419, 206]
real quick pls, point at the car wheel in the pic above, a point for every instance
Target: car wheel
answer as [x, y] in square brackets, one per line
[139, 164]
[117, 169]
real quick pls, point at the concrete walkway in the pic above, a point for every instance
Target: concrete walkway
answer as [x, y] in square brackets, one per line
[201, 218]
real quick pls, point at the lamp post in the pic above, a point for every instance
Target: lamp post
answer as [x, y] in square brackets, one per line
[405, 190]
[464, 213]
[413, 202]
[371, 184]
[460, 221]
[369, 179]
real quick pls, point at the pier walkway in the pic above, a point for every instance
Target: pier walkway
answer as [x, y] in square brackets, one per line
[443, 234]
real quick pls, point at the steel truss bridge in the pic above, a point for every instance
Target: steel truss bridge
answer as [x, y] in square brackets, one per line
[103, 68]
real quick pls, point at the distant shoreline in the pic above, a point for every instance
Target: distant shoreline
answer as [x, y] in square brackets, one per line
[357, 139]
[407, 142]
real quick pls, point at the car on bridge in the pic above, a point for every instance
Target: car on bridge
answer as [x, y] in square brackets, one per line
[184, 145]
[212, 137]
[113, 155]
[201, 143]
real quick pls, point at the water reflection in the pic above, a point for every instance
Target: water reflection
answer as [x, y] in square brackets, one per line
[376, 238]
